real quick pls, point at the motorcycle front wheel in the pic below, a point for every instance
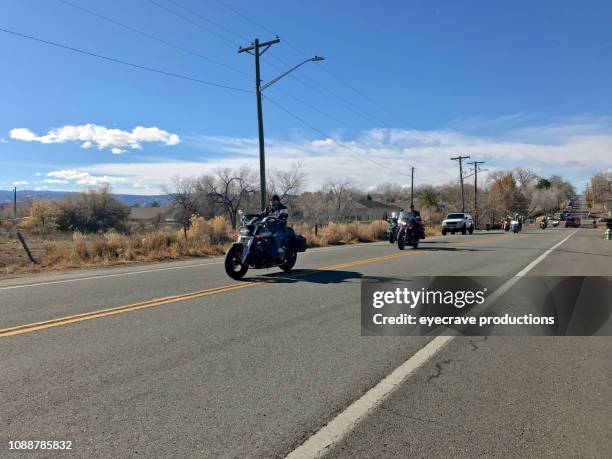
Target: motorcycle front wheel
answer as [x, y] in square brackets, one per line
[289, 261]
[401, 242]
[233, 263]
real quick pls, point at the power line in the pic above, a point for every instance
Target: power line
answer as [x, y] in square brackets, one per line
[119, 61]
[313, 84]
[216, 24]
[152, 37]
[326, 70]
[197, 24]
[318, 131]
[312, 107]
[245, 17]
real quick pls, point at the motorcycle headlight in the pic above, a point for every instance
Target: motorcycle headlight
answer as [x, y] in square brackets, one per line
[244, 231]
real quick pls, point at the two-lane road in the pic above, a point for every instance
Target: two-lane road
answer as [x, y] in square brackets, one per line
[175, 359]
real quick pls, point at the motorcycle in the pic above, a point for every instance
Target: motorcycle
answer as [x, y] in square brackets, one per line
[543, 224]
[254, 246]
[515, 226]
[506, 225]
[391, 233]
[408, 233]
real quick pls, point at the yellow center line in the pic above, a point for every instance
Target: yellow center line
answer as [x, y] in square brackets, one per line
[32, 327]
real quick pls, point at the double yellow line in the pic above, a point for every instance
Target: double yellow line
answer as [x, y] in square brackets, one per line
[36, 326]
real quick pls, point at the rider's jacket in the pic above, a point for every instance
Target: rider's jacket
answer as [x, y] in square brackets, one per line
[278, 211]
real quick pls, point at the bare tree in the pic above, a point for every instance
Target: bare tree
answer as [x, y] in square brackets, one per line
[207, 205]
[524, 176]
[231, 190]
[183, 194]
[287, 183]
[340, 196]
[391, 192]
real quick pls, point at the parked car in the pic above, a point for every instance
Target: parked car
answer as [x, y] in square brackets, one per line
[458, 222]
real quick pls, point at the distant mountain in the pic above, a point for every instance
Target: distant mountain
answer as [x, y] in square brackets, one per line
[129, 199]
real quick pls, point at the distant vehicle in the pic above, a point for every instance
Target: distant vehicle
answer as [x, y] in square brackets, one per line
[506, 224]
[573, 222]
[516, 226]
[458, 222]
[554, 223]
[391, 233]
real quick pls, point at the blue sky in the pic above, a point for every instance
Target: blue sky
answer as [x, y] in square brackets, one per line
[513, 83]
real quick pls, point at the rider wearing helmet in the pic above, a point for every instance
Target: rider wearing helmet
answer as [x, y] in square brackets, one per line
[279, 227]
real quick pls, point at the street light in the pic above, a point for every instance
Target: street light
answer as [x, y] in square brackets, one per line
[271, 82]
[257, 49]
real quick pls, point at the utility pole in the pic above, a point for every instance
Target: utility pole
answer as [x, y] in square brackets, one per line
[257, 49]
[460, 159]
[412, 186]
[15, 203]
[476, 167]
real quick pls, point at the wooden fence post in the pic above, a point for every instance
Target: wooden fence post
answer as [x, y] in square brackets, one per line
[25, 246]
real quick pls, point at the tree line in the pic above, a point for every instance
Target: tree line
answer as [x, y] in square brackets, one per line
[226, 191]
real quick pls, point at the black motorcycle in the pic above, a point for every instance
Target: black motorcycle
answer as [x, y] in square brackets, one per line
[255, 244]
[391, 233]
[543, 224]
[409, 233]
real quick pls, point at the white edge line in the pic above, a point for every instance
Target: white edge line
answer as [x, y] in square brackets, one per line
[319, 443]
[103, 276]
[169, 268]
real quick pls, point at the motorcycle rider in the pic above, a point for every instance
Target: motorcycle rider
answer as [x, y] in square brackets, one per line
[417, 218]
[279, 227]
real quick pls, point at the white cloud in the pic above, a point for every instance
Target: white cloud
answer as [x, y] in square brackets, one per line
[3, 140]
[81, 178]
[385, 155]
[99, 136]
[20, 182]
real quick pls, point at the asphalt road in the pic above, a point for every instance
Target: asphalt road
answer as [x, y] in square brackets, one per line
[254, 368]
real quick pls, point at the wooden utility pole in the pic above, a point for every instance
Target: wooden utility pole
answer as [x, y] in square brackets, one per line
[257, 49]
[460, 159]
[412, 185]
[476, 165]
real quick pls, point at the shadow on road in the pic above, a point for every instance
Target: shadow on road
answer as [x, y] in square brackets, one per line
[453, 249]
[317, 276]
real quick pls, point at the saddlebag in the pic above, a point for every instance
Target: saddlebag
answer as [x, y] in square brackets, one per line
[300, 243]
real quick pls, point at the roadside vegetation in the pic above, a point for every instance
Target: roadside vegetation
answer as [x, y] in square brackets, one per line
[95, 229]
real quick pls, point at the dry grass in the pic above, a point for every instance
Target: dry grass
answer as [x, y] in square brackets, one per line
[342, 233]
[204, 238]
